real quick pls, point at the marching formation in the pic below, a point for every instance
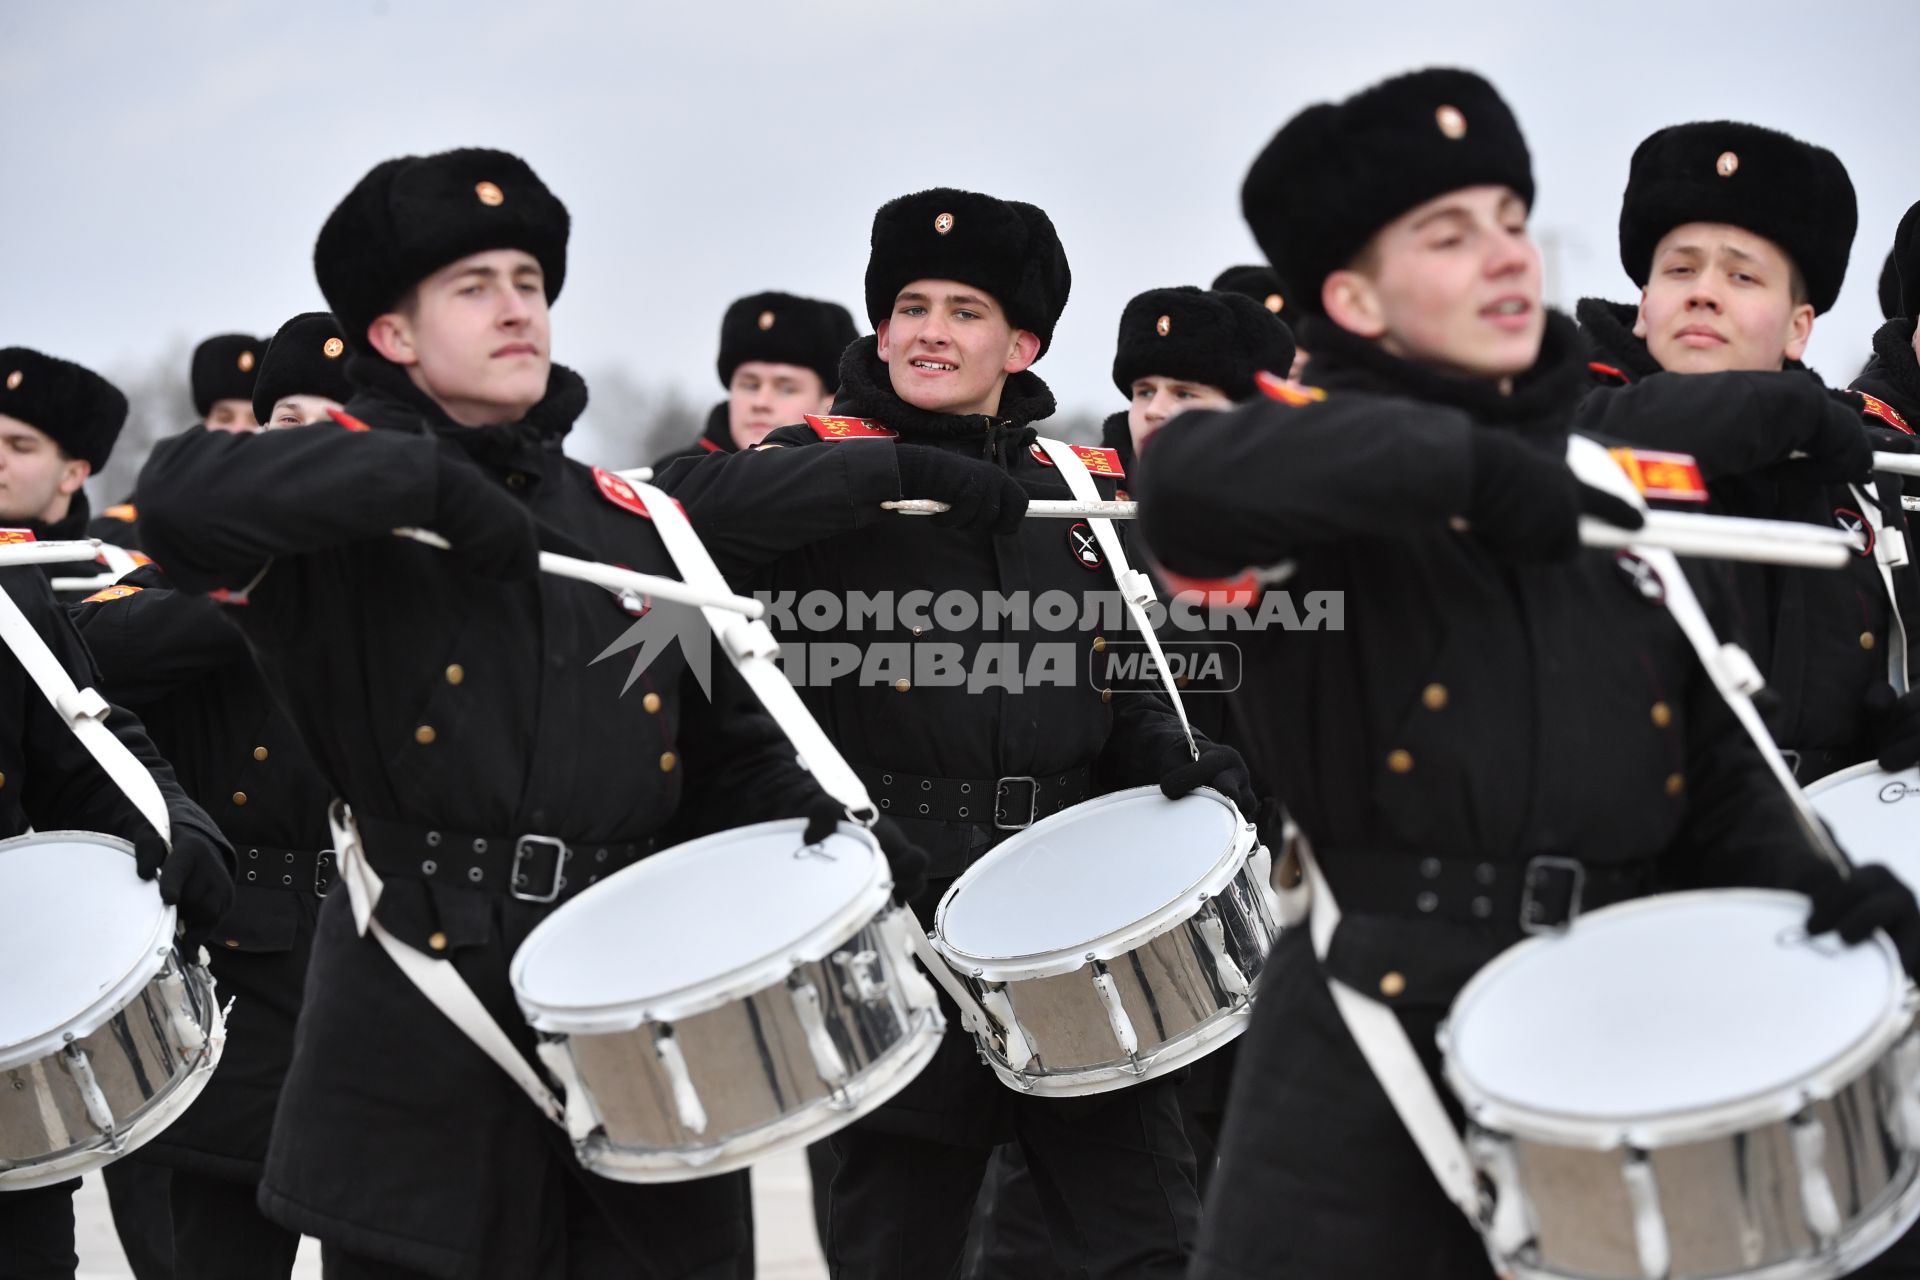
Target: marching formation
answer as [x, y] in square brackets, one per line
[1422, 798]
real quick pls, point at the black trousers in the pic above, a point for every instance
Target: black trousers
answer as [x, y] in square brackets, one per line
[1113, 1175]
[142, 1217]
[219, 1232]
[36, 1233]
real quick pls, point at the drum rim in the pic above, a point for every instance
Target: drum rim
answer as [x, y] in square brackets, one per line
[114, 997]
[720, 989]
[1852, 773]
[1662, 1129]
[1115, 942]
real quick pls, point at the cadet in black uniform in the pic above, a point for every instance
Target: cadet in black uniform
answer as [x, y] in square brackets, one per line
[1739, 237]
[964, 291]
[1495, 696]
[49, 782]
[452, 700]
[779, 361]
[174, 659]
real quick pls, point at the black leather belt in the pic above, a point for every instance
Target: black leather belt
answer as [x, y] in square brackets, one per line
[1544, 894]
[1008, 804]
[295, 870]
[533, 868]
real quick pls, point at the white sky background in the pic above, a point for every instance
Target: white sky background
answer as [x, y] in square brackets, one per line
[166, 166]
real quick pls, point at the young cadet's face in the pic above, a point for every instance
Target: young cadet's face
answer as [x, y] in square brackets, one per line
[1156, 399]
[231, 415]
[300, 411]
[476, 337]
[1454, 283]
[949, 348]
[763, 395]
[36, 482]
[1719, 297]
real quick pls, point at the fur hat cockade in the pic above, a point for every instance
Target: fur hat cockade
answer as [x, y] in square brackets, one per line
[1004, 247]
[412, 216]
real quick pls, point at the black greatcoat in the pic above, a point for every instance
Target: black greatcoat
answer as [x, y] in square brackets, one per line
[185, 668]
[1472, 711]
[396, 1138]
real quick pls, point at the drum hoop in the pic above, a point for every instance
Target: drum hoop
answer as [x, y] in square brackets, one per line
[1115, 942]
[1697, 1125]
[1852, 773]
[712, 992]
[113, 998]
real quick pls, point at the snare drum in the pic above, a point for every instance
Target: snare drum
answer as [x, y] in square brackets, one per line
[107, 1032]
[727, 999]
[1113, 941]
[1875, 816]
[1689, 1086]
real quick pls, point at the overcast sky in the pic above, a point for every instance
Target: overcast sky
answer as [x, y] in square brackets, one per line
[166, 166]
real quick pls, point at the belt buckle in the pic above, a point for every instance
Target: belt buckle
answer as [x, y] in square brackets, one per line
[1033, 802]
[322, 864]
[515, 877]
[1533, 914]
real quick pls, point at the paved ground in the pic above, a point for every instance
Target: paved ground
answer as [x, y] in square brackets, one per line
[782, 1207]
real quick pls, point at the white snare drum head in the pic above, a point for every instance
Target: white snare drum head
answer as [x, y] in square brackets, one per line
[78, 929]
[1666, 1006]
[1874, 815]
[694, 914]
[1088, 871]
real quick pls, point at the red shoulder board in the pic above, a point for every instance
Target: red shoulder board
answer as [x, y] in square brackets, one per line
[118, 591]
[1102, 462]
[1607, 373]
[1885, 412]
[11, 537]
[1674, 477]
[347, 420]
[622, 495]
[221, 595]
[848, 428]
[125, 512]
[1286, 390]
[710, 446]
[1239, 592]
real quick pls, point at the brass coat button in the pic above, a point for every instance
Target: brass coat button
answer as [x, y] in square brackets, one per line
[239, 797]
[1392, 983]
[1434, 697]
[652, 703]
[425, 735]
[1400, 760]
[1106, 695]
[456, 673]
[3, 779]
[1099, 644]
[667, 761]
[1662, 715]
[1676, 783]
[1866, 639]
[901, 686]
[233, 942]
[437, 940]
[259, 753]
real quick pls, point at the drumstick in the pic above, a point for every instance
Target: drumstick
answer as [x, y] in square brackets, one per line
[49, 552]
[1042, 507]
[614, 578]
[1901, 464]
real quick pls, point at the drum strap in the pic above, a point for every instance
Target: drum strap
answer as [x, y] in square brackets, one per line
[1135, 587]
[1890, 552]
[1384, 1044]
[85, 713]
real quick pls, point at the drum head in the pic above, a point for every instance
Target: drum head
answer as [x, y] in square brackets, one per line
[1874, 816]
[709, 913]
[80, 933]
[1669, 1006]
[1088, 871]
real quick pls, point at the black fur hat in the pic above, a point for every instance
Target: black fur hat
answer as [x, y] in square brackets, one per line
[412, 216]
[783, 329]
[1889, 287]
[307, 357]
[1905, 261]
[1007, 248]
[1218, 339]
[1338, 172]
[1262, 284]
[1792, 192]
[224, 367]
[78, 408]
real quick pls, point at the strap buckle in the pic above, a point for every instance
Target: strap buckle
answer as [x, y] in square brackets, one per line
[1033, 802]
[323, 872]
[517, 878]
[1550, 892]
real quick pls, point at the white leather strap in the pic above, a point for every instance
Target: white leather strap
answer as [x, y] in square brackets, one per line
[1135, 587]
[1890, 552]
[85, 713]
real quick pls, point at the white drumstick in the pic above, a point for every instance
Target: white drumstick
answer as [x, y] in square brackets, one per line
[616, 579]
[1901, 464]
[1043, 507]
[49, 552]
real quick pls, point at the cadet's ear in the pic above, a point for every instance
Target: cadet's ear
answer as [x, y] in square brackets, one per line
[1799, 330]
[880, 336]
[1640, 318]
[73, 474]
[1352, 302]
[392, 336]
[1024, 350]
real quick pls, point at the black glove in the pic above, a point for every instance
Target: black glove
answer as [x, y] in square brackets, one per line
[1869, 899]
[1888, 440]
[1525, 504]
[1218, 767]
[1895, 722]
[981, 495]
[196, 877]
[491, 532]
[905, 859]
[1834, 443]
